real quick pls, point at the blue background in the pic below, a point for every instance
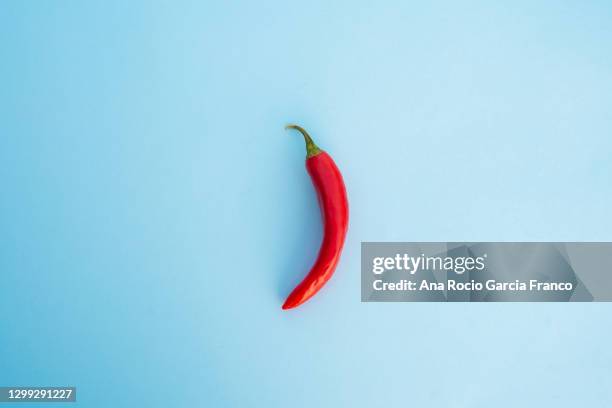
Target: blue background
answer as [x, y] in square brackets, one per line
[154, 214]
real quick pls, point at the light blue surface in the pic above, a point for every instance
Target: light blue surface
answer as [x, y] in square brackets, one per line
[154, 213]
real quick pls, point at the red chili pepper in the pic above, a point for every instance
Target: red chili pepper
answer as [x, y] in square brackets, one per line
[331, 193]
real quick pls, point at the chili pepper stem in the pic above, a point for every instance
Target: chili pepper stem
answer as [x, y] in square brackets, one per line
[311, 148]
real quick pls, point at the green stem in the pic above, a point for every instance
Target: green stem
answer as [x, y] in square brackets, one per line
[311, 148]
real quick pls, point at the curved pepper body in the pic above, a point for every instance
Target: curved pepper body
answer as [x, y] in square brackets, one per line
[331, 194]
